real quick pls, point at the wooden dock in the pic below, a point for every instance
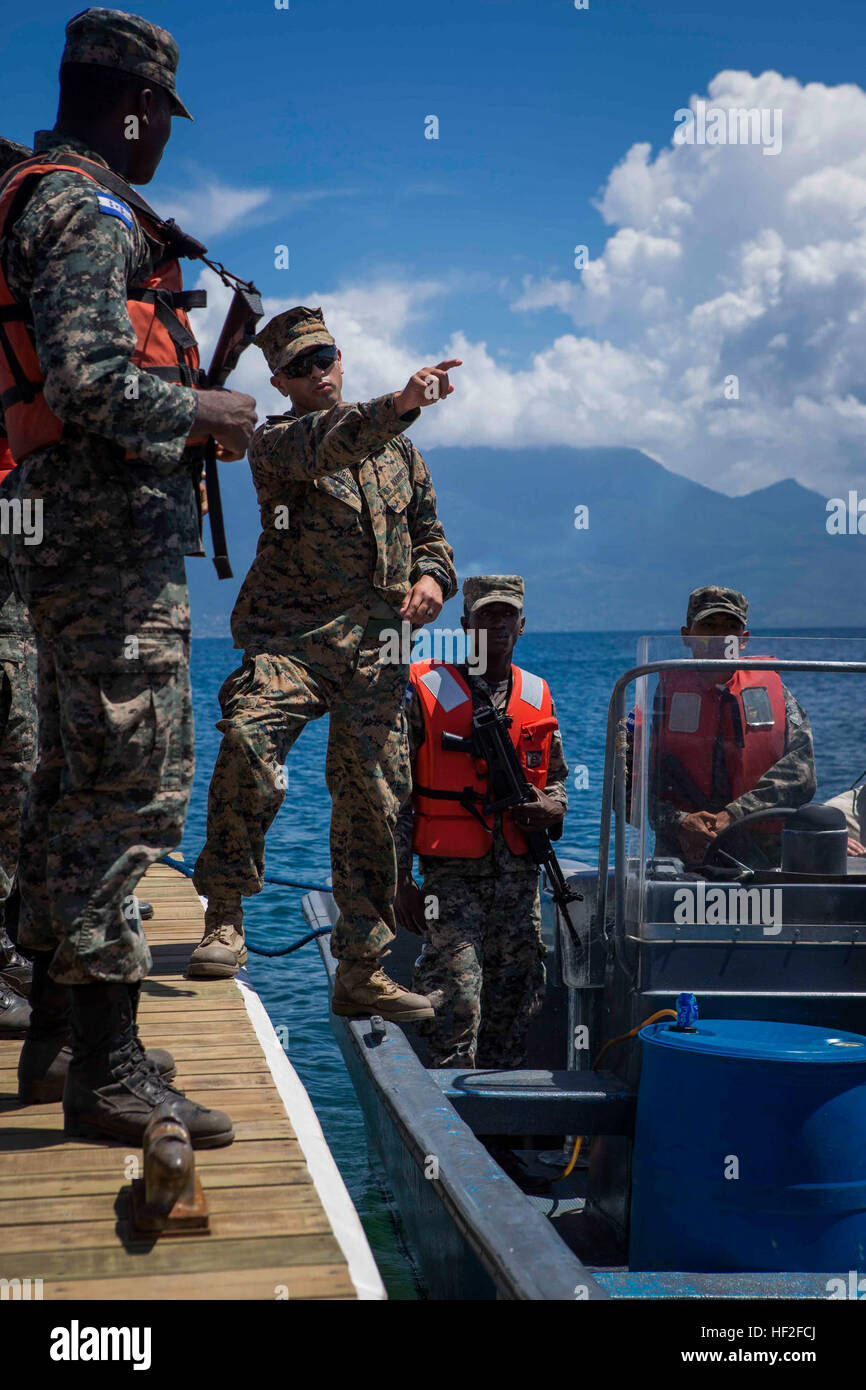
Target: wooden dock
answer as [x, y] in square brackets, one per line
[281, 1222]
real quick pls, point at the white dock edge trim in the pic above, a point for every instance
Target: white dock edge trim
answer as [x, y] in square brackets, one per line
[345, 1221]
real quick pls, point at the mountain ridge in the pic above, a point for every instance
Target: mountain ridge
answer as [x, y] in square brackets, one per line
[652, 536]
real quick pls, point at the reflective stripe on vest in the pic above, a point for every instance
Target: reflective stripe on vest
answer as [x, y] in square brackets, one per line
[443, 827]
[445, 688]
[156, 304]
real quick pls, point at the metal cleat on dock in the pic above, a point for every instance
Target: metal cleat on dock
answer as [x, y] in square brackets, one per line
[169, 1199]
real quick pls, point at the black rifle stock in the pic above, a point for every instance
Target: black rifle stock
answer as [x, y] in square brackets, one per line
[509, 786]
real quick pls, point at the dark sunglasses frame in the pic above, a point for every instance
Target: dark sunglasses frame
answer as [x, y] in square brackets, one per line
[324, 357]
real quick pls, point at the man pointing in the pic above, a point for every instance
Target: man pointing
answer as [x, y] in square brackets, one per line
[351, 546]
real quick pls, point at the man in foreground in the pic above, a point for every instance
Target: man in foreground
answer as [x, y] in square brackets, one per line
[99, 443]
[17, 738]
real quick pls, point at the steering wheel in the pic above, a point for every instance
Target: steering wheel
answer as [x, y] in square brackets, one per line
[780, 813]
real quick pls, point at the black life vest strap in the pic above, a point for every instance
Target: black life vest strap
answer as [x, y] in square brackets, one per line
[24, 391]
[180, 336]
[469, 799]
[180, 375]
[176, 299]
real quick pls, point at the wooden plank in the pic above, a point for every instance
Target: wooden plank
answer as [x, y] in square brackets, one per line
[261, 1107]
[197, 1050]
[74, 1157]
[203, 1076]
[181, 1256]
[89, 1184]
[53, 1209]
[231, 1225]
[301, 1281]
[50, 1124]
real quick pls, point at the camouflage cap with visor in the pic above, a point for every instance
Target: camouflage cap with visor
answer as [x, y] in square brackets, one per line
[127, 43]
[483, 589]
[712, 598]
[292, 333]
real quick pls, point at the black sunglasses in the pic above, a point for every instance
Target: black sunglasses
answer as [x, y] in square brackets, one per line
[302, 366]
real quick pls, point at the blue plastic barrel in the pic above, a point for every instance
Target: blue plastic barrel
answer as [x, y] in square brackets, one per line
[750, 1149]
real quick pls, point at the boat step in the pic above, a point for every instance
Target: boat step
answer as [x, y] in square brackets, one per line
[538, 1102]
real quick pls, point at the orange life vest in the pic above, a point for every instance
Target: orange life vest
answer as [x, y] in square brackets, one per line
[747, 716]
[157, 304]
[452, 786]
[7, 462]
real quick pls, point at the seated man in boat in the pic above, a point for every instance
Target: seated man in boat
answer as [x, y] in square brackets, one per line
[351, 545]
[724, 749]
[482, 962]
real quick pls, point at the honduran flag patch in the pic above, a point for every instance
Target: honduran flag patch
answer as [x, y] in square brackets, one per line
[113, 207]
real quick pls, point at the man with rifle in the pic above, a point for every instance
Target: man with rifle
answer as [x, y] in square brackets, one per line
[97, 368]
[479, 843]
[17, 739]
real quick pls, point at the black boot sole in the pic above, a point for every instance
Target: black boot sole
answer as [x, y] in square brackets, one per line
[86, 1129]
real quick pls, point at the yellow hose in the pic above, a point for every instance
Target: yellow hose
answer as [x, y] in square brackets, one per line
[624, 1037]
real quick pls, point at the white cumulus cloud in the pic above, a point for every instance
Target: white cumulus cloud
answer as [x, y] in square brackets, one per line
[721, 262]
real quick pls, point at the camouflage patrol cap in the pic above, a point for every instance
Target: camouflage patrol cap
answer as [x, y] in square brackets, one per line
[712, 598]
[291, 333]
[127, 43]
[11, 153]
[481, 589]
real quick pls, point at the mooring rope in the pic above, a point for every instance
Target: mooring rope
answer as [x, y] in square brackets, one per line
[280, 882]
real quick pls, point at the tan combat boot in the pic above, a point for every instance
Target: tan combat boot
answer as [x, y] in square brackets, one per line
[221, 951]
[362, 988]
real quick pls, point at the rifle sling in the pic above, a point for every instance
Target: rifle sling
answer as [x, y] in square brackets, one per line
[221, 560]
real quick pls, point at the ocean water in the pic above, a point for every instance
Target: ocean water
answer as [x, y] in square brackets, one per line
[581, 669]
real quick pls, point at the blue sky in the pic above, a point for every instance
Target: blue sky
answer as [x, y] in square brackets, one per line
[707, 266]
[323, 104]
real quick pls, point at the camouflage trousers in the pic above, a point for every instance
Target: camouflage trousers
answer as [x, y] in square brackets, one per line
[266, 704]
[482, 966]
[17, 726]
[114, 774]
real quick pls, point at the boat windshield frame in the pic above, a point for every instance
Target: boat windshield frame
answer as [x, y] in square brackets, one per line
[613, 798]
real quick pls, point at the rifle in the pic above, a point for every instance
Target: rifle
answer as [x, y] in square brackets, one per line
[238, 331]
[509, 786]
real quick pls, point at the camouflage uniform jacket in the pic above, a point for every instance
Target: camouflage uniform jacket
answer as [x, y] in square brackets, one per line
[500, 858]
[789, 782]
[13, 615]
[349, 524]
[71, 264]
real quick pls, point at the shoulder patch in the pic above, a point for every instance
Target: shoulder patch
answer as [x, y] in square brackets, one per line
[113, 207]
